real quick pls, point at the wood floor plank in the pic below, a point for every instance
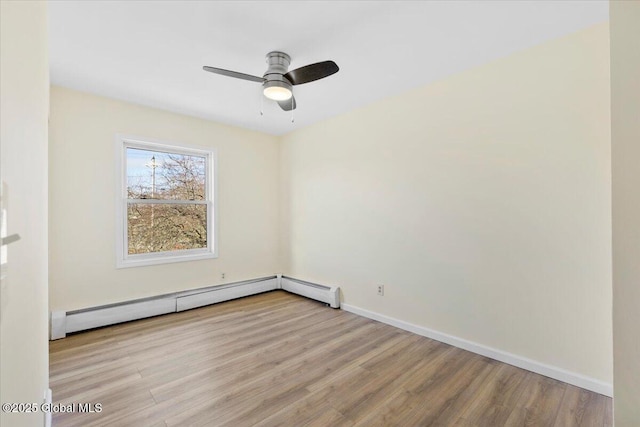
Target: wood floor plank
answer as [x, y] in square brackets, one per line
[95, 381]
[574, 404]
[399, 403]
[314, 405]
[493, 404]
[539, 403]
[463, 391]
[276, 359]
[324, 418]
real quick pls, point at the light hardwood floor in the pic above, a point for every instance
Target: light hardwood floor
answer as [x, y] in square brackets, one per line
[277, 359]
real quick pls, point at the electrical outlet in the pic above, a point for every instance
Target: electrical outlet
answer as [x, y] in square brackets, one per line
[381, 290]
[222, 276]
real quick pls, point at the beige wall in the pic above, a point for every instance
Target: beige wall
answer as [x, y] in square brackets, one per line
[625, 143]
[82, 193]
[24, 106]
[481, 202]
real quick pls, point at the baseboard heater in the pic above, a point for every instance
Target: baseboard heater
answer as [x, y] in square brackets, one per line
[65, 322]
[326, 294]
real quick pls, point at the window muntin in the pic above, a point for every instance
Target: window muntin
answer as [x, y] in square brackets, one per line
[166, 213]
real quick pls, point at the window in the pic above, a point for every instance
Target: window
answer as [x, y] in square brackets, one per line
[166, 203]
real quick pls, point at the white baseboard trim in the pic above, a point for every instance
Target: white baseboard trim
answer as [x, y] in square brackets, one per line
[48, 400]
[554, 372]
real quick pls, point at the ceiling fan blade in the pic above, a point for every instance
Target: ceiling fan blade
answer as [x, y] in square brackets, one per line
[312, 72]
[289, 104]
[234, 74]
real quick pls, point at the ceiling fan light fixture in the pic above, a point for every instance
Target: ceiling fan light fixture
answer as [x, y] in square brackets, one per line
[278, 81]
[278, 91]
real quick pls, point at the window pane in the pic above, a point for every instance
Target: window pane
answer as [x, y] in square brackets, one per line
[166, 227]
[160, 175]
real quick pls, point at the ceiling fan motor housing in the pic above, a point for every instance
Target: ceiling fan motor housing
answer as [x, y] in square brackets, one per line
[278, 63]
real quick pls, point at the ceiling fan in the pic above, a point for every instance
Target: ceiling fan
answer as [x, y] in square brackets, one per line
[277, 82]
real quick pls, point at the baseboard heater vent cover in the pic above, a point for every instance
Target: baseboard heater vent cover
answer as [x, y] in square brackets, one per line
[216, 294]
[326, 294]
[63, 323]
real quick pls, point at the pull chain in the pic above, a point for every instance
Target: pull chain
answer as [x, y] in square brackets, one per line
[261, 103]
[292, 119]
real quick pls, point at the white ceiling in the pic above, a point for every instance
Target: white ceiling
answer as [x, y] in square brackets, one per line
[152, 52]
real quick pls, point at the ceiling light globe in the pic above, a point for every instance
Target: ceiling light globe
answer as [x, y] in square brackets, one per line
[277, 91]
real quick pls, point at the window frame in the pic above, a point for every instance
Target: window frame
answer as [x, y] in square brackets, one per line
[126, 260]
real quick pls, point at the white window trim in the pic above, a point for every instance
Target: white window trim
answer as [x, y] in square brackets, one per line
[123, 259]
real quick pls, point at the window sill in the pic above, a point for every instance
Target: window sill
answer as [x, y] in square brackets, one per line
[142, 261]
